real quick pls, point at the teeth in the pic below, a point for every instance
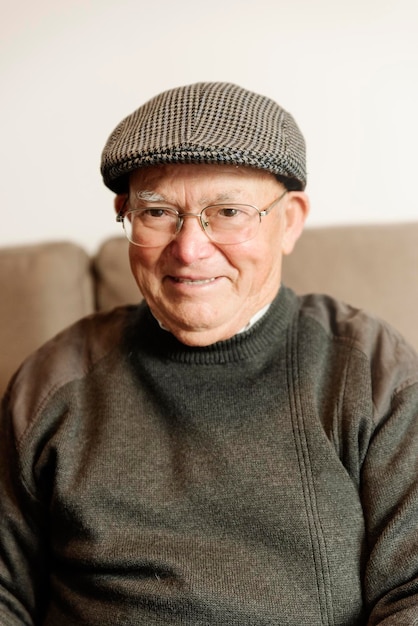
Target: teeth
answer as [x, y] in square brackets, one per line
[190, 281]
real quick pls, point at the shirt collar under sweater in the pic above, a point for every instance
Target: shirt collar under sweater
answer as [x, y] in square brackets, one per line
[268, 331]
[252, 321]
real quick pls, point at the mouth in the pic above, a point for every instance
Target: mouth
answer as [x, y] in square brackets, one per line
[193, 281]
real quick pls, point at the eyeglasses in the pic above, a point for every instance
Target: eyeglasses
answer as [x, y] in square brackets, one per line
[225, 224]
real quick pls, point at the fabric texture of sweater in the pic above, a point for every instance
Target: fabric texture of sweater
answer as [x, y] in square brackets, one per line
[270, 479]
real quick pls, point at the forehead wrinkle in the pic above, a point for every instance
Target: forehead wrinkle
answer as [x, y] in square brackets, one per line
[221, 197]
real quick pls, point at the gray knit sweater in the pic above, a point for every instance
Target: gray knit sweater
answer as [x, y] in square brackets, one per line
[271, 479]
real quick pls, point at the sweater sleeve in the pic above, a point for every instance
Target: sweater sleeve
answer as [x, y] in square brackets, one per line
[25, 490]
[23, 581]
[381, 399]
[389, 491]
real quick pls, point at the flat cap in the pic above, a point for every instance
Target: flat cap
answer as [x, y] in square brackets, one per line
[219, 123]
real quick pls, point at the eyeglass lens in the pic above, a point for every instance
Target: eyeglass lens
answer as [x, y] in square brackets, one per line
[223, 224]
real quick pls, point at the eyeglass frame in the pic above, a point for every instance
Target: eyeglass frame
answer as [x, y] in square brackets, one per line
[180, 219]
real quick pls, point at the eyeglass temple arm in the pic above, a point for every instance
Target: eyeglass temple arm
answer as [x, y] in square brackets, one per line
[121, 214]
[273, 204]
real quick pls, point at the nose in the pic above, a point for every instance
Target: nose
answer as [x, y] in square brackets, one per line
[191, 242]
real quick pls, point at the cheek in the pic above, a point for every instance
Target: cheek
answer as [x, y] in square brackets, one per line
[260, 266]
[255, 259]
[144, 266]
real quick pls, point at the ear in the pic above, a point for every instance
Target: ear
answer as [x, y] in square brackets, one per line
[120, 201]
[296, 212]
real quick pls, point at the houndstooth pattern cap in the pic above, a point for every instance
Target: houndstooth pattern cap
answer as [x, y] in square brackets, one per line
[218, 123]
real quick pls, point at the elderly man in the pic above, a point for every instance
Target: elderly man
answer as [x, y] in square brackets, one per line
[225, 453]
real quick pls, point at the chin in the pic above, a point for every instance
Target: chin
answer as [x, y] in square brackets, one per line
[201, 333]
[200, 338]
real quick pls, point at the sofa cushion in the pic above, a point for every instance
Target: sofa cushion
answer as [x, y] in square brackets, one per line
[43, 288]
[374, 267]
[115, 284]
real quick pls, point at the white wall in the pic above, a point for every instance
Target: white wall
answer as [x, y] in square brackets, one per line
[71, 69]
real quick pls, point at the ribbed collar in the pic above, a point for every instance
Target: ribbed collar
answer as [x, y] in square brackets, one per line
[266, 334]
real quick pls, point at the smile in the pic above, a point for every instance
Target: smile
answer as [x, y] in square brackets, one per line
[194, 281]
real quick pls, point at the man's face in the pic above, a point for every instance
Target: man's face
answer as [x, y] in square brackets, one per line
[199, 290]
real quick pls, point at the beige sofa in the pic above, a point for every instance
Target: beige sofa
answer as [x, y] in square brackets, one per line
[48, 286]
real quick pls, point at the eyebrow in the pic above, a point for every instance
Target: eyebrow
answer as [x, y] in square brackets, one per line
[152, 196]
[149, 196]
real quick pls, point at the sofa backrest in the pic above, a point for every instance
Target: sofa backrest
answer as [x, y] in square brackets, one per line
[374, 267]
[48, 286]
[43, 288]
